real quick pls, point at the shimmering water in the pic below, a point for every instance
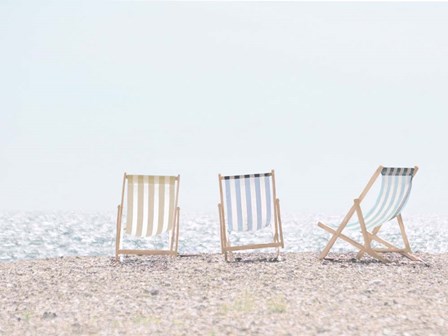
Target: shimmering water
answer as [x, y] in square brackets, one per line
[31, 235]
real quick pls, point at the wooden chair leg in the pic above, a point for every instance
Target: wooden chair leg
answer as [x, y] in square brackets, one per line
[337, 232]
[118, 237]
[279, 221]
[376, 255]
[391, 246]
[366, 235]
[228, 254]
[342, 236]
[359, 246]
[403, 234]
[374, 232]
[177, 231]
[172, 238]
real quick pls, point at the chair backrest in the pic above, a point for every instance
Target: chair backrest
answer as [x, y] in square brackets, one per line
[396, 184]
[151, 204]
[248, 201]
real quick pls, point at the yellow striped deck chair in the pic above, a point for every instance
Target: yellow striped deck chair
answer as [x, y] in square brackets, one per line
[151, 211]
[249, 203]
[396, 185]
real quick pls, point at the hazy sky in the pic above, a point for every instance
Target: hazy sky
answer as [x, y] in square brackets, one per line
[321, 92]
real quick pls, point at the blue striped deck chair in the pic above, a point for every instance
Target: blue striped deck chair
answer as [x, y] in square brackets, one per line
[248, 204]
[396, 184]
[151, 211]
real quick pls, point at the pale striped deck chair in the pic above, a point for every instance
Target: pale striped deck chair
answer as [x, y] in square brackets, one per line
[249, 203]
[396, 184]
[151, 210]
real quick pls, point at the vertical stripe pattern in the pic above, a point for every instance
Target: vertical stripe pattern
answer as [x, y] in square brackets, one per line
[248, 201]
[151, 204]
[396, 184]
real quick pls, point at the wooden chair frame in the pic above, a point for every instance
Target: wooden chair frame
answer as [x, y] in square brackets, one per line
[368, 237]
[174, 236]
[278, 241]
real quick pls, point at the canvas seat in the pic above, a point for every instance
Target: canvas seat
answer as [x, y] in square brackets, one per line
[151, 211]
[396, 185]
[249, 204]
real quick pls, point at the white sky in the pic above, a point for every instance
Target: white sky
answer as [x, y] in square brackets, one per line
[321, 92]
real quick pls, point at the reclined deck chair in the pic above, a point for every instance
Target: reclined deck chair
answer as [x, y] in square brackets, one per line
[249, 203]
[396, 184]
[151, 210]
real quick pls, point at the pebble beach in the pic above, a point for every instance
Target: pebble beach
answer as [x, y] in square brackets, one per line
[203, 295]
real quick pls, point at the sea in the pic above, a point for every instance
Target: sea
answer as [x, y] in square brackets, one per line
[39, 235]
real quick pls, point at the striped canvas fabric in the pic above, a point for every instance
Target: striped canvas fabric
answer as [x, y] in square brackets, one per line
[150, 205]
[248, 201]
[396, 184]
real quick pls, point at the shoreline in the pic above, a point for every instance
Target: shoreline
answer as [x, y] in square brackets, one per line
[204, 295]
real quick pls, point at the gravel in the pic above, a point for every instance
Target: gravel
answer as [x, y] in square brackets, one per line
[204, 295]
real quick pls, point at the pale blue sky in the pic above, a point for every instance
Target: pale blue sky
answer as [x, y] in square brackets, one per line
[322, 92]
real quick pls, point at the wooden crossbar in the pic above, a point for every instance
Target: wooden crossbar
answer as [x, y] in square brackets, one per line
[389, 250]
[389, 245]
[148, 252]
[252, 246]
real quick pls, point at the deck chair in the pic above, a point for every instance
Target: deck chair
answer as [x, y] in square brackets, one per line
[396, 184]
[249, 203]
[151, 210]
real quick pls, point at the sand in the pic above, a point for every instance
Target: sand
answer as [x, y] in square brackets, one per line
[203, 295]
